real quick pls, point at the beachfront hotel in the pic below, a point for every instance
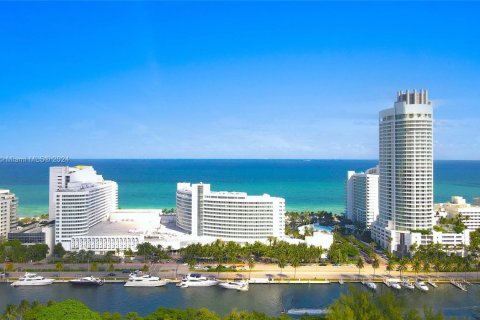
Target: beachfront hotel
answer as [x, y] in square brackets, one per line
[406, 176]
[79, 199]
[362, 197]
[234, 216]
[8, 212]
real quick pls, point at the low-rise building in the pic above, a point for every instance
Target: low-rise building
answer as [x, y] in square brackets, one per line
[125, 229]
[458, 207]
[36, 233]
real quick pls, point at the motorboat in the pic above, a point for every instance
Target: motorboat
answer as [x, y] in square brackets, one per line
[395, 285]
[32, 279]
[239, 285]
[306, 311]
[370, 285]
[197, 280]
[144, 281]
[341, 281]
[87, 281]
[407, 284]
[420, 285]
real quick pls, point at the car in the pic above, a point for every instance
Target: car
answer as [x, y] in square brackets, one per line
[126, 271]
[111, 274]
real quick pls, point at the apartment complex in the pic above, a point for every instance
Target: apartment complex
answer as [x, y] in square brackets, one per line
[228, 215]
[362, 197]
[8, 212]
[406, 176]
[79, 199]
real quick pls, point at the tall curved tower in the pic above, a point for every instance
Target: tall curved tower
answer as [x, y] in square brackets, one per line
[406, 167]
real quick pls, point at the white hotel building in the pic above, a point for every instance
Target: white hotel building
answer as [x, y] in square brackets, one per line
[362, 197]
[8, 212]
[406, 176]
[232, 216]
[79, 199]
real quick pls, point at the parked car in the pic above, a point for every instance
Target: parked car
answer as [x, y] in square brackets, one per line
[111, 274]
[126, 271]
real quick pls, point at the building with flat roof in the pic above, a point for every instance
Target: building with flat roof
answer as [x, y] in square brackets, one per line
[362, 197]
[35, 233]
[224, 215]
[458, 207]
[8, 212]
[123, 230]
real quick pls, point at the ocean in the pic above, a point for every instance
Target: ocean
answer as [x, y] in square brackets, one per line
[305, 184]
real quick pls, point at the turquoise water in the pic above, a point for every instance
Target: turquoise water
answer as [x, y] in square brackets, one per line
[305, 184]
[316, 226]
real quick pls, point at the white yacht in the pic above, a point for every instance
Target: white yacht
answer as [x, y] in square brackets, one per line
[407, 284]
[420, 285]
[239, 285]
[395, 285]
[87, 281]
[370, 285]
[144, 281]
[196, 280]
[32, 279]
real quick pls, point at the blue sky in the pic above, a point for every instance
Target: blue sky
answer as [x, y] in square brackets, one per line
[232, 80]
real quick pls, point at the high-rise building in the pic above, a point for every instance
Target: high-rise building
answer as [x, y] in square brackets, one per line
[362, 197]
[228, 215]
[8, 212]
[406, 170]
[79, 199]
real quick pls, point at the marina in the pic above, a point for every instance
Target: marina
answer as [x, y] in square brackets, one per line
[268, 298]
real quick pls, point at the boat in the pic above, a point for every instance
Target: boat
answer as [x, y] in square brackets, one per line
[395, 285]
[32, 279]
[459, 285]
[407, 284]
[87, 281]
[433, 284]
[370, 285]
[420, 285]
[307, 311]
[239, 285]
[144, 281]
[341, 281]
[197, 280]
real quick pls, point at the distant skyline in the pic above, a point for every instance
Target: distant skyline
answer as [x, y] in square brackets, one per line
[232, 79]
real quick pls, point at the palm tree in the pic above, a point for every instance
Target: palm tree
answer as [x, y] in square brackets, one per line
[426, 266]
[390, 265]
[375, 265]
[251, 265]
[416, 266]
[282, 261]
[360, 264]
[402, 265]
[295, 262]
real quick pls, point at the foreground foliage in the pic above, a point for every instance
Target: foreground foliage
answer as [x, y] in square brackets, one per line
[363, 305]
[357, 304]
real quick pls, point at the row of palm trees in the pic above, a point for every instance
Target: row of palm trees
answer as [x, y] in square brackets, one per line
[276, 251]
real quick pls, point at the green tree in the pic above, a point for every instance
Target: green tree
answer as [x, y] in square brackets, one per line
[360, 264]
[59, 251]
[68, 309]
[251, 265]
[59, 266]
[375, 265]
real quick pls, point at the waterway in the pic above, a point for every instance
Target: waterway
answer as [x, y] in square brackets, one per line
[270, 299]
